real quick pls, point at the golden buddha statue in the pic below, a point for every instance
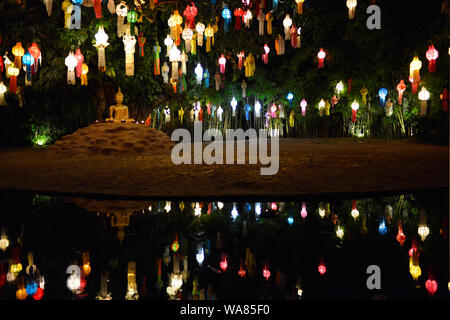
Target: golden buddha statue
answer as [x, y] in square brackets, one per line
[119, 112]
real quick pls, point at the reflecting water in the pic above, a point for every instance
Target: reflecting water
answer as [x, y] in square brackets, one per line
[74, 248]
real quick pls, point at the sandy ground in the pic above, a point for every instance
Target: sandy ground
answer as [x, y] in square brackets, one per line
[307, 167]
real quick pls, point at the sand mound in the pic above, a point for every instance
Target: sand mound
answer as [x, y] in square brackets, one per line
[113, 139]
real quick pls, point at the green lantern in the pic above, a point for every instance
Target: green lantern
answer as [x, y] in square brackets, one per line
[132, 18]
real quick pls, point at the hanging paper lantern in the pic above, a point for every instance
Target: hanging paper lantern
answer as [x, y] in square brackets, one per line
[226, 15]
[287, 23]
[401, 87]
[339, 87]
[321, 107]
[382, 229]
[432, 55]
[71, 63]
[183, 59]
[293, 32]
[48, 6]
[13, 72]
[31, 288]
[222, 62]
[414, 73]
[80, 59]
[431, 285]
[423, 231]
[28, 62]
[18, 51]
[355, 107]
[199, 73]
[129, 42]
[200, 256]
[98, 8]
[241, 56]
[247, 17]
[299, 6]
[111, 6]
[334, 100]
[7, 64]
[67, 8]
[21, 294]
[322, 269]
[174, 57]
[351, 5]
[401, 238]
[101, 42]
[156, 62]
[187, 35]
[303, 212]
[241, 272]
[321, 56]
[340, 232]
[238, 13]
[354, 213]
[269, 19]
[233, 104]
[265, 55]
[122, 12]
[424, 95]
[414, 269]
[209, 34]
[444, 98]
[84, 72]
[244, 88]
[38, 294]
[190, 12]
[4, 243]
[266, 272]
[217, 80]
[303, 105]
[364, 93]
[200, 28]
[249, 65]
[175, 245]
[132, 19]
[141, 42]
[383, 93]
[36, 53]
[174, 23]
[168, 42]
[224, 263]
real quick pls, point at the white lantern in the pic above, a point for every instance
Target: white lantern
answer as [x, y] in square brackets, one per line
[340, 232]
[187, 36]
[101, 42]
[174, 57]
[165, 72]
[257, 109]
[424, 96]
[339, 87]
[183, 58]
[129, 42]
[247, 18]
[200, 28]
[199, 73]
[258, 208]
[71, 63]
[287, 23]
[168, 42]
[2, 103]
[321, 107]
[351, 5]
[220, 205]
[233, 106]
[219, 113]
[423, 231]
[121, 11]
[197, 210]
[7, 64]
[200, 256]
[234, 212]
[244, 88]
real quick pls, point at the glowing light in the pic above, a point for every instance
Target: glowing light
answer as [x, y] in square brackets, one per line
[424, 96]
[339, 232]
[175, 245]
[266, 273]
[303, 105]
[401, 87]
[4, 242]
[423, 231]
[241, 272]
[290, 220]
[321, 56]
[400, 235]
[274, 206]
[303, 212]
[383, 93]
[258, 208]
[200, 256]
[197, 210]
[168, 206]
[354, 213]
[382, 229]
[322, 269]
[351, 5]
[220, 205]
[234, 212]
[224, 263]
[340, 87]
[431, 285]
[432, 55]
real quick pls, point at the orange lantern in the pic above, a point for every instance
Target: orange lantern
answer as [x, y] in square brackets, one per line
[299, 6]
[18, 51]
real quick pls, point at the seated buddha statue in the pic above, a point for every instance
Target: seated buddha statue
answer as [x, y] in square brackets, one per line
[119, 112]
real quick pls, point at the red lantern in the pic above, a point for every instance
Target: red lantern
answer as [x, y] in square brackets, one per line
[432, 55]
[401, 87]
[400, 235]
[241, 272]
[444, 99]
[38, 294]
[241, 56]
[321, 56]
[266, 272]
[238, 13]
[224, 263]
[322, 269]
[349, 81]
[431, 286]
[36, 54]
[265, 55]
[98, 8]
[190, 12]
[293, 32]
[222, 62]
[2, 67]
[80, 59]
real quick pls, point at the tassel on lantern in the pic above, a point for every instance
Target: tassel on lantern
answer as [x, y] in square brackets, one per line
[48, 6]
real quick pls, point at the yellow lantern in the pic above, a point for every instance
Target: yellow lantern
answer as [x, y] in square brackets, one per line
[209, 33]
[339, 232]
[86, 264]
[299, 6]
[18, 51]
[66, 7]
[414, 73]
[129, 43]
[2, 103]
[424, 95]
[132, 292]
[16, 268]
[351, 5]
[414, 269]
[364, 93]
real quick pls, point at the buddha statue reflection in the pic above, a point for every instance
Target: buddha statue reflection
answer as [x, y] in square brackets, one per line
[119, 112]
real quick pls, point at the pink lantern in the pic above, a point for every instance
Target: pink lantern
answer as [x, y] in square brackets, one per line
[322, 269]
[190, 12]
[241, 56]
[321, 56]
[431, 286]
[303, 105]
[432, 55]
[273, 114]
[265, 56]
[303, 213]
[266, 272]
[224, 263]
[80, 58]
[222, 62]
[401, 87]
[334, 101]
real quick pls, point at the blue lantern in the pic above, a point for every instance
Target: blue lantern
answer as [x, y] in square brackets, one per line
[206, 77]
[28, 61]
[77, 2]
[290, 96]
[247, 109]
[31, 288]
[290, 220]
[382, 229]
[248, 207]
[275, 5]
[226, 15]
[383, 93]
